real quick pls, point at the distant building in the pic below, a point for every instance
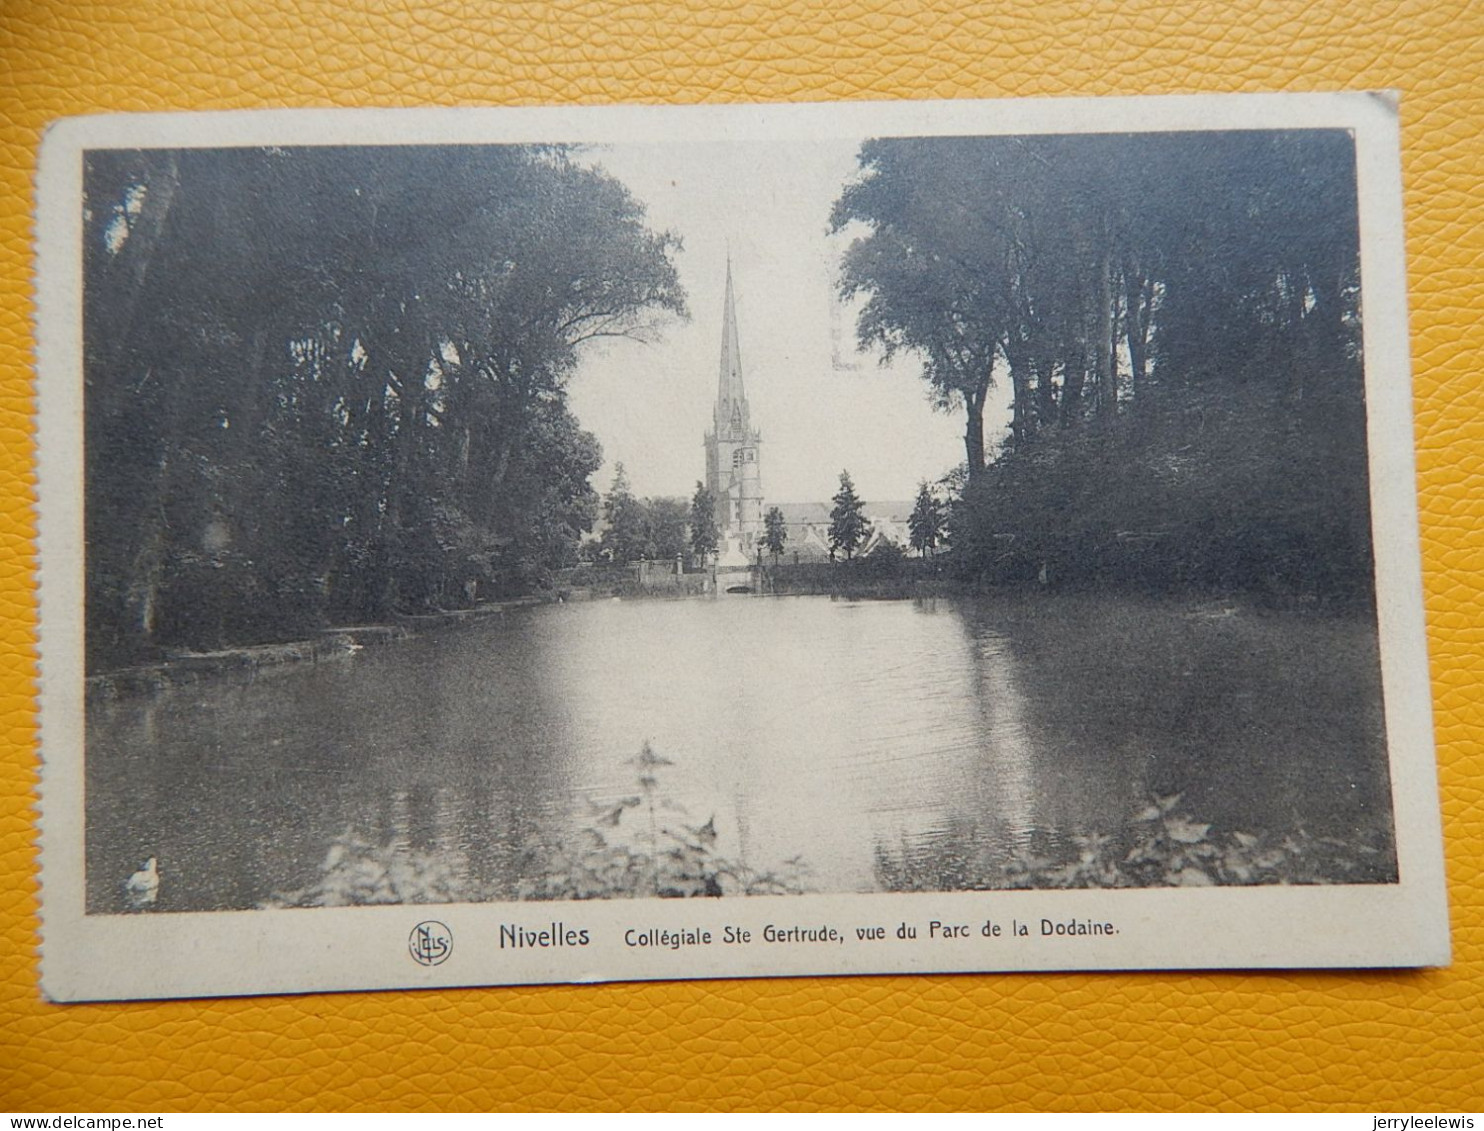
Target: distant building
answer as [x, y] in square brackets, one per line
[808, 526]
[733, 470]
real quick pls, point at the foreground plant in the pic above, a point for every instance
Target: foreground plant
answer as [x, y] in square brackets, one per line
[646, 857]
[356, 872]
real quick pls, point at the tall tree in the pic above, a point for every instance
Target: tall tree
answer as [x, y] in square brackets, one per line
[930, 269]
[848, 529]
[775, 532]
[666, 525]
[925, 524]
[625, 521]
[704, 535]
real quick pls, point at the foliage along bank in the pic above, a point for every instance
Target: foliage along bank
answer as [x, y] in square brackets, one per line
[1177, 319]
[327, 385]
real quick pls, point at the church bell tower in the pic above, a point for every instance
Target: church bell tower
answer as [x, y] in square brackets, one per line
[733, 474]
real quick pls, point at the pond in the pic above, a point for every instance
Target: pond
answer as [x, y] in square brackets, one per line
[879, 744]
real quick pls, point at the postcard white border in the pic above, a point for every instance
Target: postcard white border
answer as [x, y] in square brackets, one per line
[251, 952]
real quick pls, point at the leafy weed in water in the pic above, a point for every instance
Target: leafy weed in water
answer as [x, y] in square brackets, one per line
[1160, 846]
[644, 857]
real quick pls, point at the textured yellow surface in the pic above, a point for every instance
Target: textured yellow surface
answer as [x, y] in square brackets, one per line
[1386, 1040]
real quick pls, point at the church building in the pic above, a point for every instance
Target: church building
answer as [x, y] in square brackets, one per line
[733, 473]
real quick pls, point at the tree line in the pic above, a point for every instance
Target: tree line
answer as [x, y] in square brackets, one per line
[651, 529]
[665, 529]
[327, 385]
[1174, 323]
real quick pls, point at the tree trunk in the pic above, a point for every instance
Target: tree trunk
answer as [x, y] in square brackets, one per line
[974, 428]
[405, 361]
[1045, 369]
[1022, 420]
[148, 567]
[1137, 299]
[1107, 373]
[1074, 378]
[974, 440]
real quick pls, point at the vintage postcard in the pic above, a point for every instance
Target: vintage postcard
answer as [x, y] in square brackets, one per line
[566, 545]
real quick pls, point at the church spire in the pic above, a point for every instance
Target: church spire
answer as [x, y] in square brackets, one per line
[733, 473]
[731, 399]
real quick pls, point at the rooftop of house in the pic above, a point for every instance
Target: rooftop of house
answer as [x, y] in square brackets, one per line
[818, 514]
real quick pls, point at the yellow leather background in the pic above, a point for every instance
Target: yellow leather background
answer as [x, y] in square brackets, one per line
[1378, 1040]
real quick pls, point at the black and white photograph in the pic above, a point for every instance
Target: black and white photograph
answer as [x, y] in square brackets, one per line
[730, 544]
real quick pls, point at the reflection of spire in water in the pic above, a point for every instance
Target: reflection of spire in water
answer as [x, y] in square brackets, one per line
[973, 799]
[739, 807]
[400, 818]
[1011, 749]
[449, 807]
[426, 819]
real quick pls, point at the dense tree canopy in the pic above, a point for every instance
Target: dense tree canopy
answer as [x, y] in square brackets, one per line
[329, 384]
[1177, 317]
[636, 530]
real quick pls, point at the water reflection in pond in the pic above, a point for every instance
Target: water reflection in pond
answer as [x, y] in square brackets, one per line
[921, 744]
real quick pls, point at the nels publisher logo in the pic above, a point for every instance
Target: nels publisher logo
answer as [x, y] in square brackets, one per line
[430, 942]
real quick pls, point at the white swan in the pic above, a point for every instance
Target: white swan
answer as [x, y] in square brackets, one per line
[143, 887]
